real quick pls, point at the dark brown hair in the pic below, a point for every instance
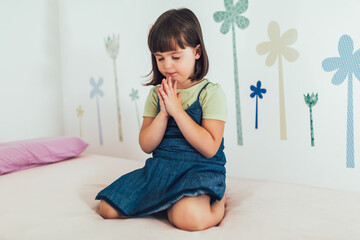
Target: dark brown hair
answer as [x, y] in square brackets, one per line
[176, 27]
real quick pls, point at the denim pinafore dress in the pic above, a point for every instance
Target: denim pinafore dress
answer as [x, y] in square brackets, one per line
[175, 170]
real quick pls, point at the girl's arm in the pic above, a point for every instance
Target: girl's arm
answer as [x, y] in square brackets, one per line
[153, 129]
[205, 138]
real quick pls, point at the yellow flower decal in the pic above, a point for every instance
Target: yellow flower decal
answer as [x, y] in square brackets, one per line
[278, 47]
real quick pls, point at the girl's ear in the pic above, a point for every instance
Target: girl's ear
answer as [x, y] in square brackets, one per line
[197, 52]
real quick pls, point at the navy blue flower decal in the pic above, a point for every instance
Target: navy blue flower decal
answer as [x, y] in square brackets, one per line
[258, 92]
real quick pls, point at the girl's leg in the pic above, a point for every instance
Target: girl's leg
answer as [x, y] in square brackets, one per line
[108, 212]
[196, 213]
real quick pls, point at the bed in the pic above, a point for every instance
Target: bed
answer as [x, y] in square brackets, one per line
[56, 201]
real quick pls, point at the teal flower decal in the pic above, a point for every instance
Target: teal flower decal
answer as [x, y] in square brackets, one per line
[231, 17]
[232, 14]
[311, 100]
[134, 96]
[347, 64]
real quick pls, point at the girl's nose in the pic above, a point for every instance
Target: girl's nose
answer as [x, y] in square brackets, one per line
[167, 63]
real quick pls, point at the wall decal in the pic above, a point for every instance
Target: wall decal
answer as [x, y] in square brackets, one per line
[311, 101]
[257, 91]
[278, 47]
[230, 17]
[112, 48]
[134, 95]
[346, 65]
[96, 92]
[80, 113]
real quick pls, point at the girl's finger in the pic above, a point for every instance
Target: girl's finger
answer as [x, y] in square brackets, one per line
[159, 93]
[167, 88]
[161, 100]
[170, 83]
[162, 105]
[175, 86]
[162, 83]
[163, 94]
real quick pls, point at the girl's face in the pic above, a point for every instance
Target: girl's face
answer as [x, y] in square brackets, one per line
[178, 64]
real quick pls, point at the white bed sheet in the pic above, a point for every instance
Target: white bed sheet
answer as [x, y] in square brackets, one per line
[57, 202]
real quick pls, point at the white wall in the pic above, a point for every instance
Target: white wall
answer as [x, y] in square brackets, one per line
[84, 25]
[30, 92]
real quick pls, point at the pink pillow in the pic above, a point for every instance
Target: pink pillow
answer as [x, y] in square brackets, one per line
[20, 155]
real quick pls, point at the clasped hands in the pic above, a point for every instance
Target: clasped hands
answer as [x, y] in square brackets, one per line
[170, 100]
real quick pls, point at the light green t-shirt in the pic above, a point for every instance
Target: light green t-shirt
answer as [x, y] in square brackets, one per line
[212, 100]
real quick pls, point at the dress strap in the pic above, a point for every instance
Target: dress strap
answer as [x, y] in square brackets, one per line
[202, 90]
[158, 105]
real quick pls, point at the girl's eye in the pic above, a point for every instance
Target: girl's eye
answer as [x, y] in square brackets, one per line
[176, 58]
[160, 59]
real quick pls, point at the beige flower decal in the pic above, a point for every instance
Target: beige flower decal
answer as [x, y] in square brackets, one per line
[277, 48]
[112, 48]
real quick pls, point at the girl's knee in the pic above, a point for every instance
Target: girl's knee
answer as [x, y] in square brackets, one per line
[107, 211]
[188, 217]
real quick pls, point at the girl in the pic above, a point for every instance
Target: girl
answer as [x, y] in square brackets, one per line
[183, 128]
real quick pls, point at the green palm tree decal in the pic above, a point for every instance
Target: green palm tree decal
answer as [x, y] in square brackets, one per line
[311, 100]
[278, 47]
[230, 17]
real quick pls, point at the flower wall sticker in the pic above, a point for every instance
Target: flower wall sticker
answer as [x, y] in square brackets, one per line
[97, 92]
[346, 65]
[134, 96]
[258, 92]
[80, 113]
[112, 48]
[311, 100]
[278, 48]
[231, 17]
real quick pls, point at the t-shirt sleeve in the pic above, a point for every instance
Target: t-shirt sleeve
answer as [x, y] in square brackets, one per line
[151, 108]
[213, 102]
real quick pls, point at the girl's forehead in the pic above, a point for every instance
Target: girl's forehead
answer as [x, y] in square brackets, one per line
[165, 41]
[178, 50]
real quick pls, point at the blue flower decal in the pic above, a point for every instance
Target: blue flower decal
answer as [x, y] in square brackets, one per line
[96, 88]
[258, 92]
[347, 64]
[96, 92]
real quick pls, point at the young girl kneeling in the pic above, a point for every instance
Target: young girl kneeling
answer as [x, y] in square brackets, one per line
[183, 128]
